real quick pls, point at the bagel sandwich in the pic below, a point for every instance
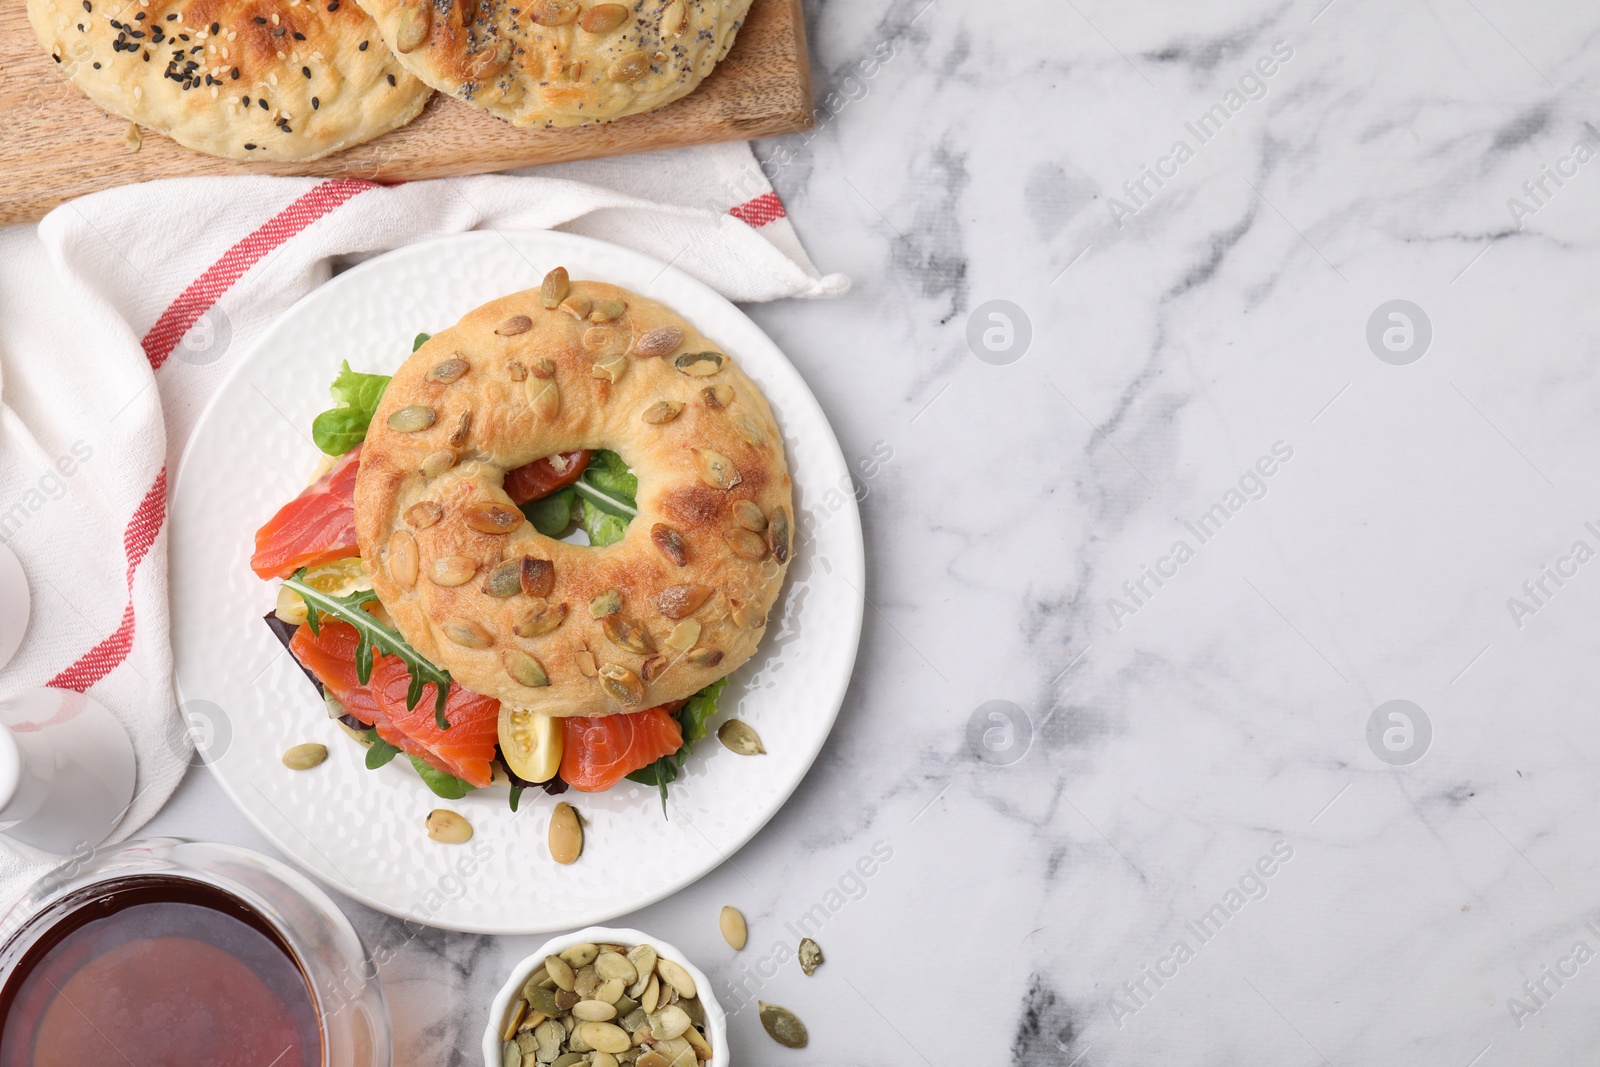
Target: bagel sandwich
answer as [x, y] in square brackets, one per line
[436, 587]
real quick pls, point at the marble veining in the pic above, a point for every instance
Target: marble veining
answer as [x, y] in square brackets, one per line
[1072, 752]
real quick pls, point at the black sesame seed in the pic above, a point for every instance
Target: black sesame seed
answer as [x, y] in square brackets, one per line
[391, 79]
[306, 71]
[334, 6]
[172, 17]
[249, 148]
[285, 128]
[147, 57]
[263, 103]
[299, 36]
[260, 21]
[235, 73]
[216, 28]
[96, 62]
[86, 6]
[139, 17]
[58, 59]
[315, 103]
[362, 47]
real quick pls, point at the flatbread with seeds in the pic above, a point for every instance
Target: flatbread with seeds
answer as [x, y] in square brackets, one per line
[561, 62]
[247, 79]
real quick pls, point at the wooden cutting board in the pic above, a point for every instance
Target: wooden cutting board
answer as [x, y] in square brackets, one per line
[57, 145]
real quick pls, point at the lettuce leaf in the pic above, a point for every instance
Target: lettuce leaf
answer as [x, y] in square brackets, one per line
[608, 490]
[445, 785]
[551, 515]
[340, 428]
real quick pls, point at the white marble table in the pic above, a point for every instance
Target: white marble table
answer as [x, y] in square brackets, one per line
[1183, 840]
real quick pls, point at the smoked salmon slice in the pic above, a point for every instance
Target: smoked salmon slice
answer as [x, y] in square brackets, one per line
[466, 750]
[599, 752]
[318, 526]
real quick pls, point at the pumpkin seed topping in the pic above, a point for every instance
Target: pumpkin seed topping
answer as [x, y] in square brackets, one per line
[661, 412]
[423, 514]
[734, 930]
[448, 372]
[661, 341]
[700, 364]
[412, 419]
[450, 571]
[566, 836]
[607, 603]
[669, 543]
[514, 325]
[557, 284]
[716, 470]
[492, 517]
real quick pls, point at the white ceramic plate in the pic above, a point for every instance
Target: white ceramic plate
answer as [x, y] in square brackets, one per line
[361, 831]
[18, 605]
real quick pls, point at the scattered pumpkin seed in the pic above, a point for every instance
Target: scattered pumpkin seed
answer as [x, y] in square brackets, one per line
[607, 603]
[402, 559]
[516, 370]
[605, 1037]
[544, 370]
[448, 372]
[593, 1011]
[621, 685]
[669, 1023]
[566, 835]
[577, 306]
[492, 517]
[544, 397]
[539, 619]
[669, 543]
[627, 635]
[661, 341]
[448, 828]
[423, 514]
[304, 757]
[524, 669]
[740, 738]
[586, 663]
[643, 958]
[651, 998]
[744, 614]
[783, 1026]
[452, 571]
[661, 412]
[519, 1011]
[716, 470]
[611, 367]
[706, 657]
[608, 311]
[537, 576]
[734, 930]
[700, 364]
[514, 325]
[717, 397]
[412, 419]
[810, 956]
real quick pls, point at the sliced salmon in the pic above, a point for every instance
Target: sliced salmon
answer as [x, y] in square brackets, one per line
[465, 750]
[318, 526]
[600, 752]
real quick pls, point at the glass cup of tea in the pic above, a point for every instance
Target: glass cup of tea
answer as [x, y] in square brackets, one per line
[221, 955]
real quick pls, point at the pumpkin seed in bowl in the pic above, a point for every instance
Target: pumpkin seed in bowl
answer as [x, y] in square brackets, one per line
[605, 1004]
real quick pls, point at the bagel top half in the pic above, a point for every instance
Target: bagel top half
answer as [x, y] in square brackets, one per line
[541, 624]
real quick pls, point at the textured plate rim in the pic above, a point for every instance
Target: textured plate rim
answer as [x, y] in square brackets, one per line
[837, 689]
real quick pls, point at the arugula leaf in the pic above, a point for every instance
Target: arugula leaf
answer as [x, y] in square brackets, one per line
[608, 490]
[551, 515]
[340, 428]
[381, 751]
[445, 785]
[421, 339]
[376, 637]
[692, 718]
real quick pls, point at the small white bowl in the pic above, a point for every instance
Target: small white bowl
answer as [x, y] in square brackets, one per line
[716, 1021]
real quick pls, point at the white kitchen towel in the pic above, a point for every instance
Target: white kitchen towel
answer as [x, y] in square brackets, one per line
[122, 313]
